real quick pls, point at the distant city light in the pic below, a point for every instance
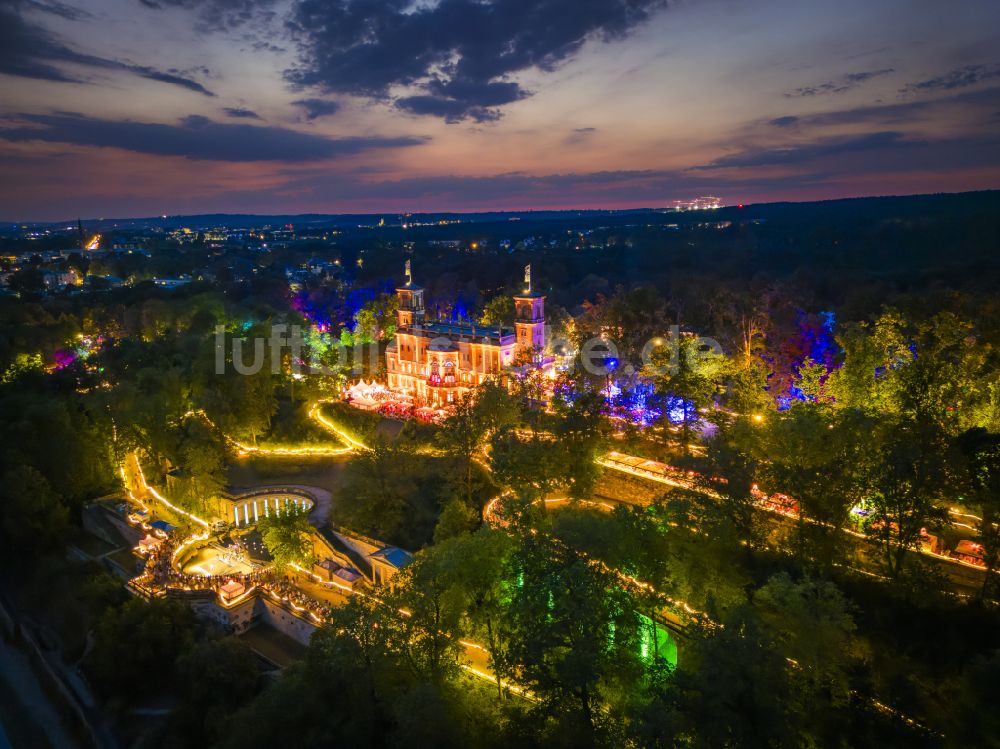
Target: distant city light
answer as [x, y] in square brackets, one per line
[705, 203]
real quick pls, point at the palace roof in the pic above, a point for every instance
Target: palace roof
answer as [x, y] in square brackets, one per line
[393, 556]
[471, 331]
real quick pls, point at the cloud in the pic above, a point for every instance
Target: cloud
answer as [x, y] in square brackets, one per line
[839, 85]
[971, 106]
[240, 113]
[69, 12]
[152, 74]
[455, 56]
[579, 135]
[957, 78]
[219, 15]
[457, 100]
[30, 51]
[451, 110]
[805, 152]
[196, 137]
[316, 108]
[866, 75]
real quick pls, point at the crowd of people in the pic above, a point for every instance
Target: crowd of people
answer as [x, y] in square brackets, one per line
[285, 589]
[158, 568]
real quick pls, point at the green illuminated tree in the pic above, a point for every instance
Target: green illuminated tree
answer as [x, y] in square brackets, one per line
[812, 626]
[343, 692]
[810, 453]
[580, 435]
[495, 409]
[375, 321]
[499, 311]
[288, 537]
[903, 473]
[477, 568]
[687, 369]
[776, 673]
[429, 636]
[812, 381]
[874, 354]
[379, 482]
[732, 688]
[746, 386]
[529, 464]
[22, 364]
[456, 518]
[734, 454]
[202, 457]
[934, 370]
[253, 404]
[462, 436]
[478, 416]
[574, 640]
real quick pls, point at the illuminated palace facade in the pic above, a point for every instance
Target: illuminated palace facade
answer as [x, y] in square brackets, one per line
[435, 362]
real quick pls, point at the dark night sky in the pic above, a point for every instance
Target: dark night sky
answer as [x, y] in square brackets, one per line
[143, 107]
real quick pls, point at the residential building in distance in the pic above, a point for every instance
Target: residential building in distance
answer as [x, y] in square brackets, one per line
[56, 279]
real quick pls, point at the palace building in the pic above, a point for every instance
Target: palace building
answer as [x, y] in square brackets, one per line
[435, 362]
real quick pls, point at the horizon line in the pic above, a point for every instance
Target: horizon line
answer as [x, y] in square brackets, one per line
[637, 208]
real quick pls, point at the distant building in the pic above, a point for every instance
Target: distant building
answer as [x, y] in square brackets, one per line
[705, 203]
[435, 362]
[321, 267]
[56, 279]
[387, 562]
